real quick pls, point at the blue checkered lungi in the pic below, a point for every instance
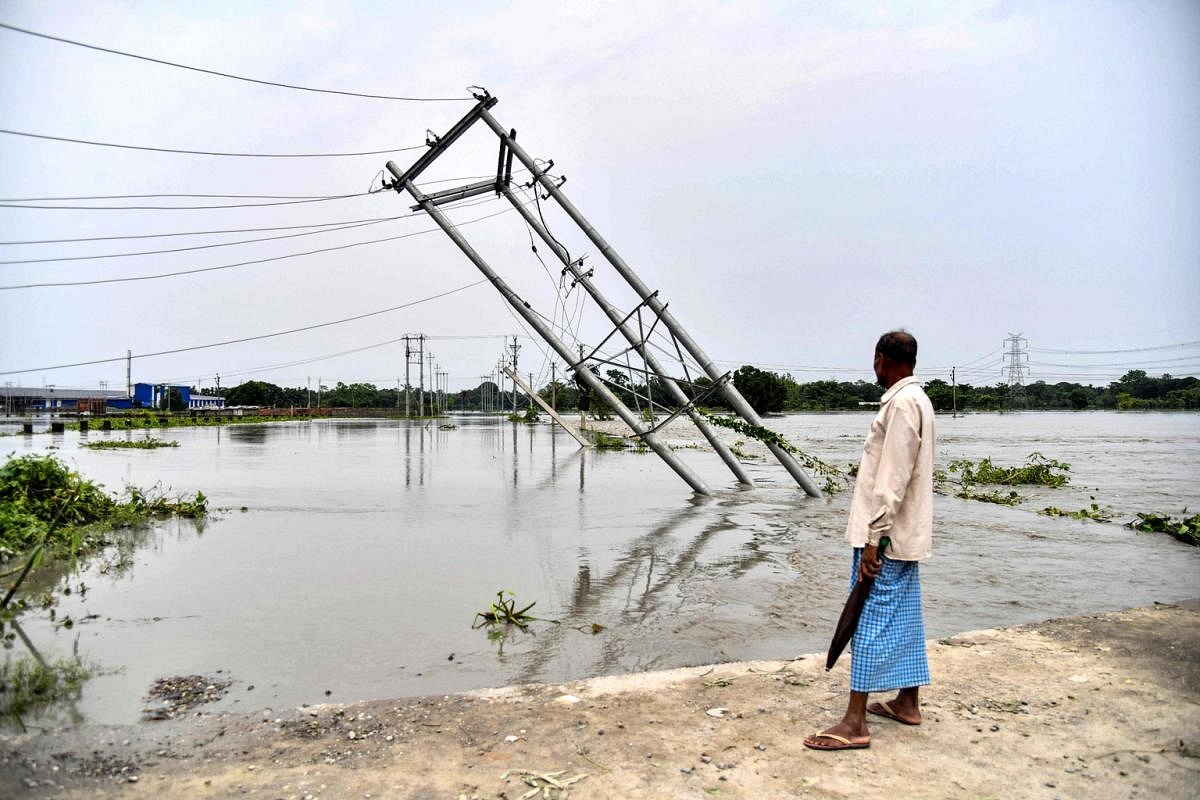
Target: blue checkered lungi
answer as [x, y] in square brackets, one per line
[888, 649]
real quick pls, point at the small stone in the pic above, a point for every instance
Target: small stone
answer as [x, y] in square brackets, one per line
[761, 747]
[686, 770]
[995, 728]
[352, 735]
[1145, 759]
[722, 778]
[132, 779]
[1050, 784]
[706, 759]
[1123, 774]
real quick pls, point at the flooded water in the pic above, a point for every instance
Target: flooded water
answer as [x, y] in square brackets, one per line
[367, 547]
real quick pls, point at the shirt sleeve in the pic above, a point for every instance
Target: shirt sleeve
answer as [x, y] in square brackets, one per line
[901, 443]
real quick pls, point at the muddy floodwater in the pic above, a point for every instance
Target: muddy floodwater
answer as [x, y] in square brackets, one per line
[366, 548]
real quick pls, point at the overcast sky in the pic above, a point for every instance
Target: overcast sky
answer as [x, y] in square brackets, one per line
[794, 178]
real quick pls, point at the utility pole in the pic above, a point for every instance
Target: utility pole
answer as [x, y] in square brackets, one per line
[421, 374]
[407, 381]
[318, 391]
[553, 386]
[404, 180]
[1016, 364]
[308, 391]
[516, 348]
[129, 374]
[954, 391]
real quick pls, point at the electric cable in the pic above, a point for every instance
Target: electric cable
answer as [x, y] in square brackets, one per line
[206, 233]
[349, 226]
[218, 196]
[43, 207]
[229, 75]
[258, 337]
[198, 270]
[1112, 352]
[207, 152]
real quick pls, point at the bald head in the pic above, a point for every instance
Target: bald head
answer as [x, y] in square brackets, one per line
[898, 347]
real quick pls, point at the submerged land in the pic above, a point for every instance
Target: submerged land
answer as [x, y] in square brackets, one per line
[1099, 705]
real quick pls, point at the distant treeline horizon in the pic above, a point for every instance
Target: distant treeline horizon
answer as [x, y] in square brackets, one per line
[767, 391]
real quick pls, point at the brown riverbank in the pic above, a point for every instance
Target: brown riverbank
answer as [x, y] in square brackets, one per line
[1105, 705]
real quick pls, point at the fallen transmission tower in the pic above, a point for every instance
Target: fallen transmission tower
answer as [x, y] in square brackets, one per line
[581, 364]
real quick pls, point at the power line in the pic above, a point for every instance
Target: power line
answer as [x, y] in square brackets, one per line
[253, 338]
[5, 204]
[207, 152]
[204, 246]
[348, 226]
[1111, 352]
[215, 232]
[422, 184]
[228, 75]
[176, 273]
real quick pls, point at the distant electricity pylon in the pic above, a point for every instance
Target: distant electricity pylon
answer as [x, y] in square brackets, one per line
[1016, 365]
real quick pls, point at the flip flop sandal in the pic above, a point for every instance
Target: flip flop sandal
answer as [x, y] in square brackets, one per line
[885, 711]
[840, 742]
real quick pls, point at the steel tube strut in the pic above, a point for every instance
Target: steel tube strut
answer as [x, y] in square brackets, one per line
[731, 394]
[584, 374]
[622, 324]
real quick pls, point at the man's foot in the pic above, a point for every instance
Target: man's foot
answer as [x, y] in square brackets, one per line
[897, 710]
[840, 737]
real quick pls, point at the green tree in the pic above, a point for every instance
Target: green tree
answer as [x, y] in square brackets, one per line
[764, 391]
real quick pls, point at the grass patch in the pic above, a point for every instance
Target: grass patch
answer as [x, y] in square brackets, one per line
[502, 611]
[28, 684]
[1186, 529]
[135, 444]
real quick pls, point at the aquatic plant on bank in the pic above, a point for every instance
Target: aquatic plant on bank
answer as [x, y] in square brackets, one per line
[46, 505]
[1186, 529]
[1092, 512]
[148, 443]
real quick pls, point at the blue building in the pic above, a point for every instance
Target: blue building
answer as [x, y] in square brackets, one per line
[154, 395]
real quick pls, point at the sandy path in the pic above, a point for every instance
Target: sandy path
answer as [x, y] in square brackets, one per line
[1097, 706]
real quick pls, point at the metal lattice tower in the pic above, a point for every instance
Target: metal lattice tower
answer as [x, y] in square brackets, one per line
[1016, 365]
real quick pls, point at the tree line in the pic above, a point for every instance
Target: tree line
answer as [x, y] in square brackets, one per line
[766, 391]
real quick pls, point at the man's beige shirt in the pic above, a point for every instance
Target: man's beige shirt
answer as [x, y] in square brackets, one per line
[893, 493]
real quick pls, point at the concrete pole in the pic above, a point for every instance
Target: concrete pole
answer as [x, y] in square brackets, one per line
[407, 379]
[618, 319]
[584, 374]
[732, 396]
[421, 374]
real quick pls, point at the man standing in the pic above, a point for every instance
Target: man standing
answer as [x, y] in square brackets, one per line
[893, 497]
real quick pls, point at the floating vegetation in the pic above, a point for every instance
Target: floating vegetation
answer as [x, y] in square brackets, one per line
[1186, 530]
[449, 426]
[1037, 471]
[1010, 499]
[505, 612]
[835, 479]
[28, 684]
[736, 449]
[1093, 512]
[135, 444]
[605, 441]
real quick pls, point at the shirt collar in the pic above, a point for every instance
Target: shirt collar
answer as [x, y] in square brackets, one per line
[897, 386]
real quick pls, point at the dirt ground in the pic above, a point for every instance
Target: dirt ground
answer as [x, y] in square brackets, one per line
[1094, 706]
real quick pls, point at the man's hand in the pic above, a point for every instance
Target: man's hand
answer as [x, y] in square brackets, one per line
[870, 563]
